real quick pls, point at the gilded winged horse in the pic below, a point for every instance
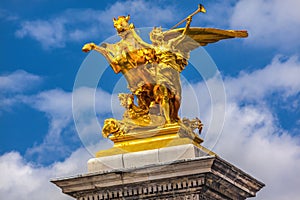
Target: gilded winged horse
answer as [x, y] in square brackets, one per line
[153, 70]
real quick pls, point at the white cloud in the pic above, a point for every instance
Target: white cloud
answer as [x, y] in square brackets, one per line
[273, 23]
[56, 104]
[81, 25]
[86, 98]
[90, 107]
[50, 34]
[281, 76]
[14, 85]
[18, 81]
[23, 180]
[58, 107]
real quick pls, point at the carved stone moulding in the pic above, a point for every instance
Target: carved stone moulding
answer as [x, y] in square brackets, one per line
[205, 178]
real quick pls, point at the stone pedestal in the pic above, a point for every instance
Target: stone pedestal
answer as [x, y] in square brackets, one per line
[185, 171]
[147, 157]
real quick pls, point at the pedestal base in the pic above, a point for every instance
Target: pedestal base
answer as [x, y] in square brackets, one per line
[149, 139]
[202, 178]
[148, 157]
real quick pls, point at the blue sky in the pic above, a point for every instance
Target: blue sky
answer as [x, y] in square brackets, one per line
[41, 60]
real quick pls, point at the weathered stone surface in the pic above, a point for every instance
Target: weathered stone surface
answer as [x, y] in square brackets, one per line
[105, 163]
[205, 178]
[179, 152]
[144, 158]
[140, 158]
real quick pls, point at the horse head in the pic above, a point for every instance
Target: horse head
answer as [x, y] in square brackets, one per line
[121, 24]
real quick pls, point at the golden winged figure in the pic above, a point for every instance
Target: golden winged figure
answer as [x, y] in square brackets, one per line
[153, 70]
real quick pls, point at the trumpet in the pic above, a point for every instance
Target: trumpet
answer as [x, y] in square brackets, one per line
[200, 9]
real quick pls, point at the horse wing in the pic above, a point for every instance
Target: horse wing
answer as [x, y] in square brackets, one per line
[197, 36]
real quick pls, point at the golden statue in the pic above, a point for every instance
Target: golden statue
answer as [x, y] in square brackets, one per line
[153, 75]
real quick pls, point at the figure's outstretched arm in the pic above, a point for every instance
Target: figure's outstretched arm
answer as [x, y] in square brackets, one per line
[177, 40]
[181, 37]
[187, 25]
[92, 46]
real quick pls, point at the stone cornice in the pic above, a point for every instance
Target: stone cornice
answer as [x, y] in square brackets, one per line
[210, 175]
